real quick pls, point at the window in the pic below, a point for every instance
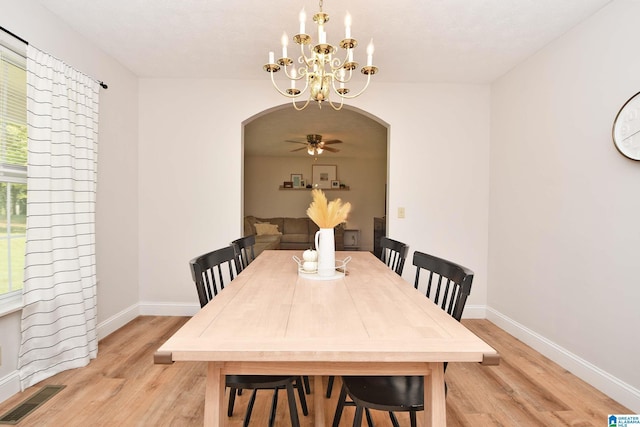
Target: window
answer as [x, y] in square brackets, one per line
[13, 168]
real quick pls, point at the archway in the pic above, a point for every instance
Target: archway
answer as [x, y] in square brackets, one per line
[361, 163]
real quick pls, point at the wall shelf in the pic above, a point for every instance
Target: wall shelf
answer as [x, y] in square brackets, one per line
[347, 188]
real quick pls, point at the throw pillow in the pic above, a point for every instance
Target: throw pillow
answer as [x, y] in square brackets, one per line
[266, 228]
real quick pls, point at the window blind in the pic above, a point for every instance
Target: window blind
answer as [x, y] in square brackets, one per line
[13, 113]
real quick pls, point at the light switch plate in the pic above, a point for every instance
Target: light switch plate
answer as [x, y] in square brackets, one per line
[400, 212]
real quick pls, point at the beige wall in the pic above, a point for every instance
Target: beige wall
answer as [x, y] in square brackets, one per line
[191, 175]
[564, 206]
[366, 179]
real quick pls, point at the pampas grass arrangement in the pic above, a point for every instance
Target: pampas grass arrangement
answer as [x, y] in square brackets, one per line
[327, 214]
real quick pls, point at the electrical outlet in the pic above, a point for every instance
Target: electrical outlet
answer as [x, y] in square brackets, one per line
[400, 212]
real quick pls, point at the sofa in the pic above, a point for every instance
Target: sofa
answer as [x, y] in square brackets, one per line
[286, 233]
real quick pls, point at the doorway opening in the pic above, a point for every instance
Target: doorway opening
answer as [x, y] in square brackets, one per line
[275, 157]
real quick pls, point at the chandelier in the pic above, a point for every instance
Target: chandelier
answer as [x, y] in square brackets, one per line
[320, 72]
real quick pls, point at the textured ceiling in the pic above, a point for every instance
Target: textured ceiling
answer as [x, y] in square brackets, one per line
[471, 41]
[431, 41]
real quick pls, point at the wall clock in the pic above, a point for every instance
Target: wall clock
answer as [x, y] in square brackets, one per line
[626, 128]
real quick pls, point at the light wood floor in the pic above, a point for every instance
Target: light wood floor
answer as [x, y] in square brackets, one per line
[122, 387]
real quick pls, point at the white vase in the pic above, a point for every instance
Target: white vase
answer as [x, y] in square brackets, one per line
[325, 245]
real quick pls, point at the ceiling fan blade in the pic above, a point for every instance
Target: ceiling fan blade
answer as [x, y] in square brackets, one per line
[298, 149]
[296, 142]
[332, 141]
[331, 149]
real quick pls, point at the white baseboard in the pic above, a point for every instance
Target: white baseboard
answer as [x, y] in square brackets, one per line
[474, 312]
[149, 308]
[120, 319]
[117, 321]
[9, 385]
[613, 387]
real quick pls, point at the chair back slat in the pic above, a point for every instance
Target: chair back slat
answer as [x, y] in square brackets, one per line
[393, 254]
[208, 274]
[244, 250]
[448, 284]
[452, 296]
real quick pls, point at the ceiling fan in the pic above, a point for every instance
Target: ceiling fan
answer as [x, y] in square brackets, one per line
[315, 145]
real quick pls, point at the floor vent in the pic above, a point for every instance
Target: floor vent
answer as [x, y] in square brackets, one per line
[15, 415]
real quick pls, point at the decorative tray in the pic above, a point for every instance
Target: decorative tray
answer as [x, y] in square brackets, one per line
[340, 270]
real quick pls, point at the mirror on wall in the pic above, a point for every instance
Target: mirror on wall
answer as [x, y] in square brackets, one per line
[281, 159]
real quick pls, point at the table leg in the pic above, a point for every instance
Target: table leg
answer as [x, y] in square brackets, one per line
[214, 396]
[318, 400]
[435, 408]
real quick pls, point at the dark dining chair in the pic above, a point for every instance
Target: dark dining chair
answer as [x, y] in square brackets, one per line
[448, 285]
[244, 250]
[209, 272]
[393, 254]
[245, 254]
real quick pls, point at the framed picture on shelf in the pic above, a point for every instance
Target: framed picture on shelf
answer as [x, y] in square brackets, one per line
[323, 175]
[296, 179]
[303, 183]
[288, 184]
[335, 184]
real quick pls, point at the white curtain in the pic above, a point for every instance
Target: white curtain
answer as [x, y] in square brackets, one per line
[59, 315]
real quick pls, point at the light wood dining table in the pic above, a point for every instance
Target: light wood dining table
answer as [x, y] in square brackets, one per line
[271, 320]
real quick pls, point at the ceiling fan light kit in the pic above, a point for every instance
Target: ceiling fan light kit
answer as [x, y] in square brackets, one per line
[321, 73]
[316, 146]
